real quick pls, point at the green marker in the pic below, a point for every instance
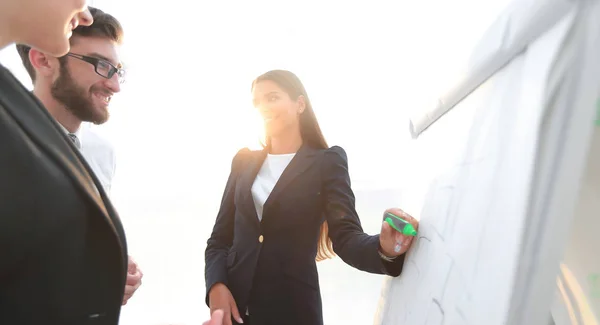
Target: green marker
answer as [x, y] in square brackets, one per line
[402, 226]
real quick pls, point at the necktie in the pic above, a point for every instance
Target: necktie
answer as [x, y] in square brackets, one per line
[75, 140]
[77, 143]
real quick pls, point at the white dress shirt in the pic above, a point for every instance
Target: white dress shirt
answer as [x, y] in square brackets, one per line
[267, 177]
[98, 153]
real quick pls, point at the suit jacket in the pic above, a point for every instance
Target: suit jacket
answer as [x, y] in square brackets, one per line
[269, 265]
[63, 257]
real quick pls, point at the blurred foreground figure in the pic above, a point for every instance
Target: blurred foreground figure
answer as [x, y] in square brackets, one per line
[63, 252]
[77, 88]
[64, 255]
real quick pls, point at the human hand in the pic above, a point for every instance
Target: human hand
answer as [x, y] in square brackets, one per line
[216, 318]
[134, 279]
[220, 298]
[392, 243]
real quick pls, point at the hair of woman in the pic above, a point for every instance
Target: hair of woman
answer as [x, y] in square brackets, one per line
[311, 134]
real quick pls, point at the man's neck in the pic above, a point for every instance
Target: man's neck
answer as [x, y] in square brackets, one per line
[5, 39]
[6, 24]
[57, 110]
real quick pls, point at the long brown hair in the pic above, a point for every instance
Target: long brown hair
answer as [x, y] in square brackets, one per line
[311, 134]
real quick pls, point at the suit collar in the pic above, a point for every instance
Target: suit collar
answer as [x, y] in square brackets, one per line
[304, 159]
[77, 133]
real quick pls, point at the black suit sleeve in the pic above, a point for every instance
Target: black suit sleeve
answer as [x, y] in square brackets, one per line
[349, 240]
[221, 238]
[19, 229]
[15, 225]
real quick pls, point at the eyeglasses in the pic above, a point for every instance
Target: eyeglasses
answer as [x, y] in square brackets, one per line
[103, 68]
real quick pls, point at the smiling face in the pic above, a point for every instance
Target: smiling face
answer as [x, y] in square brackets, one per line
[48, 24]
[83, 91]
[280, 112]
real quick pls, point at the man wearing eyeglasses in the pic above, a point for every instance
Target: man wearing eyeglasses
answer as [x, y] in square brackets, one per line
[77, 88]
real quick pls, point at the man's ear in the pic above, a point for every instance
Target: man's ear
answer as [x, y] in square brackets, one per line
[44, 64]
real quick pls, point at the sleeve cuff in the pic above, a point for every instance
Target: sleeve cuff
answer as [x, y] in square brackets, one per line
[386, 258]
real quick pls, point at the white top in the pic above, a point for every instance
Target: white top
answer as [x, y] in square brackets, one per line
[267, 177]
[98, 153]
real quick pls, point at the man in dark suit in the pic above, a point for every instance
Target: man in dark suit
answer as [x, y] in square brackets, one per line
[77, 88]
[63, 252]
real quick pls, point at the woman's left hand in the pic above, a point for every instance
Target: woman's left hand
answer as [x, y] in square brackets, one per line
[392, 243]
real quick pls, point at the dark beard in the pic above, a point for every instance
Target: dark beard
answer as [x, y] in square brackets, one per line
[76, 99]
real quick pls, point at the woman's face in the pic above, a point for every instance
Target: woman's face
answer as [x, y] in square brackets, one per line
[279, 112]
[47, 25]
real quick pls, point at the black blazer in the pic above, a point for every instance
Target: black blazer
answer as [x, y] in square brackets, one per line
[269, 265]
[63, 257]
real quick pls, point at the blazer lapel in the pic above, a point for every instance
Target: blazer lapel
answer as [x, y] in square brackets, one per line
[247, 177]
[41, 127]
[303, 159]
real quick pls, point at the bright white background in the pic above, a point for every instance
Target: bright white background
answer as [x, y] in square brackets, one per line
[185, 110]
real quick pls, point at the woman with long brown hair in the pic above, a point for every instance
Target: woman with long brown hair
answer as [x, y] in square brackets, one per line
[284, 208]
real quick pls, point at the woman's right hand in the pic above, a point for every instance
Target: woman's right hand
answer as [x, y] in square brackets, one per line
[220, 297]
